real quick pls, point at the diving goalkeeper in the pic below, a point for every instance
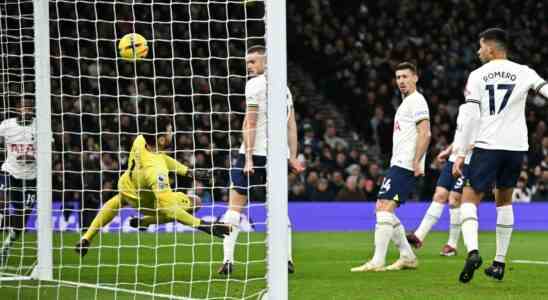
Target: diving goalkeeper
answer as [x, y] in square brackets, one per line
[145, 186]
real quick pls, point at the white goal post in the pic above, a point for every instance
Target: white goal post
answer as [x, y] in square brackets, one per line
[55, 269]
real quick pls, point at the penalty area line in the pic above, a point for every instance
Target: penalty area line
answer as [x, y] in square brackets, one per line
[531, 262]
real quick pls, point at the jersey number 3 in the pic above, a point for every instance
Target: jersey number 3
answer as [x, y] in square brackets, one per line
[508, 88]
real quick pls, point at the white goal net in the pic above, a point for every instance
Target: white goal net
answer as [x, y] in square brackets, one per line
[195, 75]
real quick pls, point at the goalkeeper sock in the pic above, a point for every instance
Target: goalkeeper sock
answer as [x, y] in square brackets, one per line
[383, 233]
[289, 240]
[454, 228]
[105, 215]
[505, 224]
[399, 238]
[229, 242]
[430, 219]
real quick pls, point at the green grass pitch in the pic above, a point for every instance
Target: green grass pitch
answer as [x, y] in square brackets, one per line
[322, 260]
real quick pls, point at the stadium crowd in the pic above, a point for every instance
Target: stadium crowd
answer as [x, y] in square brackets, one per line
[340, 73]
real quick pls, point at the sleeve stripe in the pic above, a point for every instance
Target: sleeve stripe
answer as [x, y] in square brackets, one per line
[473, 101]
[540, 86]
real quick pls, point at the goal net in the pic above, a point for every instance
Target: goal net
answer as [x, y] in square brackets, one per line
[194, 74]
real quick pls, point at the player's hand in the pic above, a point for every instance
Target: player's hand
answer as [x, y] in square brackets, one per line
[443, 155]
[457, 167]
[296, 166]
[248, 167]
[418, 170]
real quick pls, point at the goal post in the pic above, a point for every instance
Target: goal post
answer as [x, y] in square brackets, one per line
[277, 152]
[88, 101]
[44, 267]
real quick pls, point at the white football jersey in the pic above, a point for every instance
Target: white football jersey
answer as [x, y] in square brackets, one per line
[412, 110]
[255, 96]
[20, 147]
[500, 87]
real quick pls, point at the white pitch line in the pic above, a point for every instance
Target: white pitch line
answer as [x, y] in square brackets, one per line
[531, 262]
[95, 286]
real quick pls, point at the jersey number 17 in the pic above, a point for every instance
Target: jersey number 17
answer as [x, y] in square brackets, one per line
[508, 88]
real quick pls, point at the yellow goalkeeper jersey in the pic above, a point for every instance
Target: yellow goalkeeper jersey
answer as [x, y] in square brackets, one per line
[147, 175]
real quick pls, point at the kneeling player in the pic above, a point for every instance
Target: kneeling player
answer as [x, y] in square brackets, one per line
[145, 186]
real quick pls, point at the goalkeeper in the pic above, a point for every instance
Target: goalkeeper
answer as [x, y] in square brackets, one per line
[145, 186]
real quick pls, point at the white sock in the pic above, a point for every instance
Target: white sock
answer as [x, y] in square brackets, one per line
[289, 240]
[469, 225]
[229, 242]
[10, 238]
[505, 224]
[383, 233]
[431, 217]
[454, 227]
[399, 238]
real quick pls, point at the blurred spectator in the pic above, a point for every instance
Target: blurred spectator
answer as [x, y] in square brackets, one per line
[322, 191]
[522, 193]
[330, 136]
[351, 191]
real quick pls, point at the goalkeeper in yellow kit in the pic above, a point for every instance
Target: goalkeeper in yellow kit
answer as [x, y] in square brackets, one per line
[145, 186]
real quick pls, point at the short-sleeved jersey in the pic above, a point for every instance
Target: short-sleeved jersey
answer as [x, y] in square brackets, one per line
[255, 96]
[500, 87]
[412, 110]
[20, 147]
[148, 172]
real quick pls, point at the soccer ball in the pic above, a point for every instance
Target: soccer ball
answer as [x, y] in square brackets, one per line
[133, 46]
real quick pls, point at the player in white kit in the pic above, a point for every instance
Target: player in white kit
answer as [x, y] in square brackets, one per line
[20, 171]
[448, 189]
[250, 168]
[411, 138]
[495, 108]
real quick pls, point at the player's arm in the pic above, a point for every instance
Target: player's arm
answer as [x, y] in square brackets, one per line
[249, 131]
[443, 155]
[539, 85]
[467, 125]
[174, 165]
[423, 140]
[292, 141]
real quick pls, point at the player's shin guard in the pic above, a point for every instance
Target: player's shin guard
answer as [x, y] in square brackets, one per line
[431, 217]
[229, 242]
[469, 225]
[454, 227]
[384, 229]
[505, 224]
[399, 238]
